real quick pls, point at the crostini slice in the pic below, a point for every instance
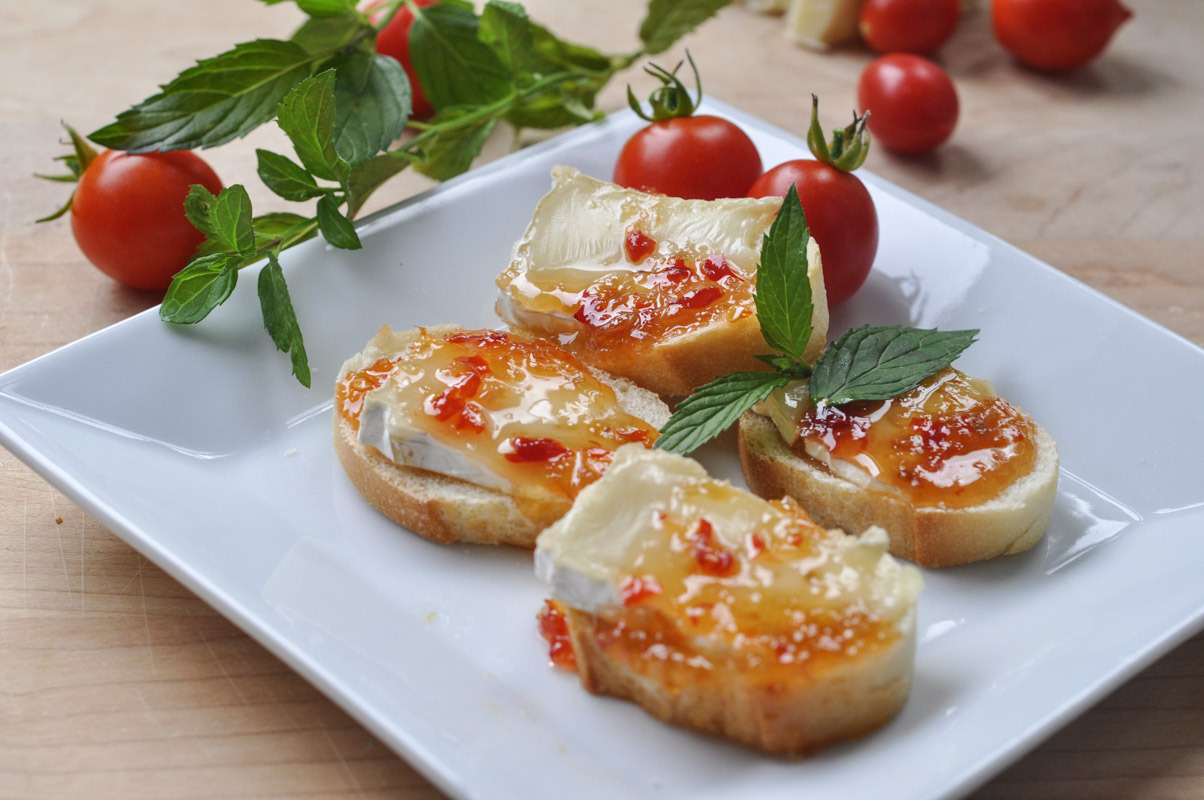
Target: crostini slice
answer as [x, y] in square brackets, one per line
[656, 289]
[716, 610]
[950, 470]
[480, 435]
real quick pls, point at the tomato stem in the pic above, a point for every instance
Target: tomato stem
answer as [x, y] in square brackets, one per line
[850, 145]
[672, 99]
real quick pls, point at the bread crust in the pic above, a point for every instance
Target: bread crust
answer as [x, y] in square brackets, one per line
[445, 509]
[931, 537]
[788, 718]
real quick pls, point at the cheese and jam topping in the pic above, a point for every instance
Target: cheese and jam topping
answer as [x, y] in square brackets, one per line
[684, 569]
[607, 269]
[949, 443]
[488, 407]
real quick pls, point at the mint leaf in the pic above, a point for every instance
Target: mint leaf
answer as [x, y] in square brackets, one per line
[286, 178]
[879, 363]
[337, 229]
[784, 302]
[326, 8]
[279, 318]
[366, 176]
[569, 105]
[199, 288]
[225, 219]
[372, 103]
[282, 229]
[217, 100]
[450, 154]
[669, 20]
[306, 115]
[507, 30]
[325, 35]
[453, 65]
[795, 370]
[556, 54]
[713, 407]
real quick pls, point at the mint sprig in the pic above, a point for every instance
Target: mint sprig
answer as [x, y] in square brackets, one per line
[867, 363]
[344, 107]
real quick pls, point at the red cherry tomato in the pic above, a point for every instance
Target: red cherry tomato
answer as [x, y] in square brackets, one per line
[841, 217]
[1056, 35]
[394, 40]
[907, 26]
[912, 103]
[128, 214]
[699, 158]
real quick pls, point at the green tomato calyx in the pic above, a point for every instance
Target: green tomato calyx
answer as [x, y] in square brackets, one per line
[672, 100]
[849, 146]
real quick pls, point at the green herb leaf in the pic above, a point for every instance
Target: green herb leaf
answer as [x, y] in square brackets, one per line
[450, 154]
[372, 103]
[795, 370]
[453, 65]
[279, 318]
[713, 407]
[225, 219]
[337, 229]
[199, 288]
[217, 100]
[366, 176]
[287, 178]
[506, 29]
[556, 54]
[306, 115]
[325, 35]
[326, 8]
[669, 20]
[879, 363]
[281, 229]
[784, 302]
[571, 104]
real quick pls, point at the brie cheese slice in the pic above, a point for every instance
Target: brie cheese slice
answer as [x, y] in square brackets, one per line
[618, 528]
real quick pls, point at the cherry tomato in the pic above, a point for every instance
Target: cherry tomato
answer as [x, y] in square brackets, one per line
[394, 40]
[841, 217]
[907, 26]
[128, 214]
[700, 158]
[911, 101]
[1056, 35]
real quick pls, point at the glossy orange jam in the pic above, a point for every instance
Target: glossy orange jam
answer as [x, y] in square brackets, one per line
[525, 409]
[670, 294]
[554, 629]
[749, 606]
[949, 442]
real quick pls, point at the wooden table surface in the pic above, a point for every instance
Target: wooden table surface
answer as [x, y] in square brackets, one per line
[116, 682]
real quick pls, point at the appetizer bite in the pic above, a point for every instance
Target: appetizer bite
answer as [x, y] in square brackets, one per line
[657, 289]
[953, 472]
[480, 436]
[719, 611]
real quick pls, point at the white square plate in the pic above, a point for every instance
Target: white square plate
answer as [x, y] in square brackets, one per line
[198, 448]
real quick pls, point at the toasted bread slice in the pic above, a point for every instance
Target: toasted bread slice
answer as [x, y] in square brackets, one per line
[930, 534]
[656, 289]
[719, 611]
[446, 496]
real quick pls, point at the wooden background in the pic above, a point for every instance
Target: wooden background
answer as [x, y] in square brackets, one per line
[116, 682]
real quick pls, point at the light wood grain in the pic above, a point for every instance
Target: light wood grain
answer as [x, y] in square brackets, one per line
[115, 682]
